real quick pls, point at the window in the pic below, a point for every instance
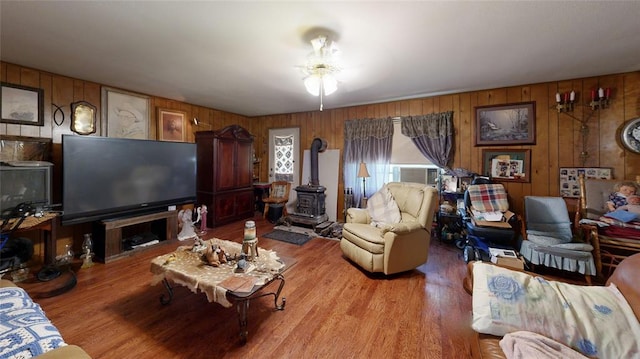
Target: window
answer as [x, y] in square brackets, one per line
[407, 163]
[283, 158]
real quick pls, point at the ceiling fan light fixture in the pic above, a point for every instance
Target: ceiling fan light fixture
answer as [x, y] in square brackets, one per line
[329, 84]
[312, 83]
[320, 68]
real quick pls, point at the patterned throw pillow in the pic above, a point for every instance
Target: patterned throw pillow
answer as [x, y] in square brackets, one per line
[383, 208]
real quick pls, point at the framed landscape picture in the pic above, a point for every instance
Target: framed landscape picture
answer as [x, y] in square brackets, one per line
[171, 125]
[507, 165]
[22, 105]
[511, 124]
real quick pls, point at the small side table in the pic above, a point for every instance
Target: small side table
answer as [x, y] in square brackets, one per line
[260, 191]
[47, 226]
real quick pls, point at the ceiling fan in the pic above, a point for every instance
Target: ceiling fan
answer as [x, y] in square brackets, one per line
[321, 67]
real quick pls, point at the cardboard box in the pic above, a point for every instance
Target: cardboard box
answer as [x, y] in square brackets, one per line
[514, 263]
[497, 224]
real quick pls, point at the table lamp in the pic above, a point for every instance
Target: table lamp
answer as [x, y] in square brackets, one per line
[362, 172]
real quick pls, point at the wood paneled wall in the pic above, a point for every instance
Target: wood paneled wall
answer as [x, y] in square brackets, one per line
[62, 91]
[558, 138]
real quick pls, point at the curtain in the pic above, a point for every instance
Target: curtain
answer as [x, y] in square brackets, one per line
[368, 141]
[433, 136]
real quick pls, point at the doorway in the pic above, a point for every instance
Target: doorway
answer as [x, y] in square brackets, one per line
[284, 159]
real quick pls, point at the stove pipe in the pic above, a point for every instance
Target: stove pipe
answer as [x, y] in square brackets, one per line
[318, 145]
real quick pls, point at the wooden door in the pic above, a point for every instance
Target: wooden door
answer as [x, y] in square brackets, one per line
[225, 164]
[244, 164]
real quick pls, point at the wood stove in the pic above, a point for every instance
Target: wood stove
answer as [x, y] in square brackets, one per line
[310, 209]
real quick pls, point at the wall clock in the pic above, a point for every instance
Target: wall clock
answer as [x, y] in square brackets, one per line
[630, 135]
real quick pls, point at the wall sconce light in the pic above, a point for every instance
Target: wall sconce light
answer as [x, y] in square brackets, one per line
[564, 102]
[198, 123]
[600, 99]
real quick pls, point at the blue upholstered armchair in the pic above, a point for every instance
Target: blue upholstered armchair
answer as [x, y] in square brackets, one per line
[549, 239]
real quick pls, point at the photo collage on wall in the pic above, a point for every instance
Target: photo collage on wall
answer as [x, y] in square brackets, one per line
[569, 185]
[507, 168]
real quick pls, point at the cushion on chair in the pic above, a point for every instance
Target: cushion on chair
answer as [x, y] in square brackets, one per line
[383, 208]
[545, 240]
[488, 197]
[279, 191]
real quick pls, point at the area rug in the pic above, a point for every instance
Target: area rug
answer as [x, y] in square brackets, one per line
[289, 237]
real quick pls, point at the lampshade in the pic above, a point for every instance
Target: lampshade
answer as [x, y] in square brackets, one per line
[362, 172]
[321, 67]
[312, 83]
[321, 82]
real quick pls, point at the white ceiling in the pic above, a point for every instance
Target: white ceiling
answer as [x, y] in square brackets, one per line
[244, 56]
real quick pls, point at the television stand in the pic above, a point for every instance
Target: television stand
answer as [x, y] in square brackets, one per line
[109, 234]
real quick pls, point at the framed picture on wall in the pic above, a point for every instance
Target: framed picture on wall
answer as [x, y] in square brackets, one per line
[124, 114]
[511, 124]
[507, 165]
[449, 183]
[569, 185]
[22, 105]
[171, 125]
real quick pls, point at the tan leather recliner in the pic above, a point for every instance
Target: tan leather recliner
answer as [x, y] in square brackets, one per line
[396, 247]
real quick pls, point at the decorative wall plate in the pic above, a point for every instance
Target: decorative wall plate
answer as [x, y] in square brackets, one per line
[630, 135]
[83, 118]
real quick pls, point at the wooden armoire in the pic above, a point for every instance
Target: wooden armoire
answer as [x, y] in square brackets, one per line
[224, 181]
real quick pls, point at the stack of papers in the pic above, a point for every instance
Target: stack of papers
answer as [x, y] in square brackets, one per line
[494, 216]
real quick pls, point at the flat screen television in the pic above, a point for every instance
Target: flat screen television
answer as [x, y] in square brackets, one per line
[107, 178]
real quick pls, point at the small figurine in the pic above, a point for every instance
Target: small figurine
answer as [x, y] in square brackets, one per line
[214, 255]
[242, 263]
[203, 221]
[199, 245]
[188, 229]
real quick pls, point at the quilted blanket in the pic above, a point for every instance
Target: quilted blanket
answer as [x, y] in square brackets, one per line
[25, 331]
[488, 197]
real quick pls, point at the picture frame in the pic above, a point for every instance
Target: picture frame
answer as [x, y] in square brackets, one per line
[22, 105]
[504, 125]
[449, 183]
[569, 185]
[124, 114]
[171, 125]
[83, 118]
[513, 165]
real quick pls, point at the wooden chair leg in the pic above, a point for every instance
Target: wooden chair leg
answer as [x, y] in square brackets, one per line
[266, 210]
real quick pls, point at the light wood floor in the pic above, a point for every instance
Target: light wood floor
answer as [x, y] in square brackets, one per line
[333, 310]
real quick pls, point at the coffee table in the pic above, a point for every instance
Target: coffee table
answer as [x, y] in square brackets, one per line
[221, 284]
